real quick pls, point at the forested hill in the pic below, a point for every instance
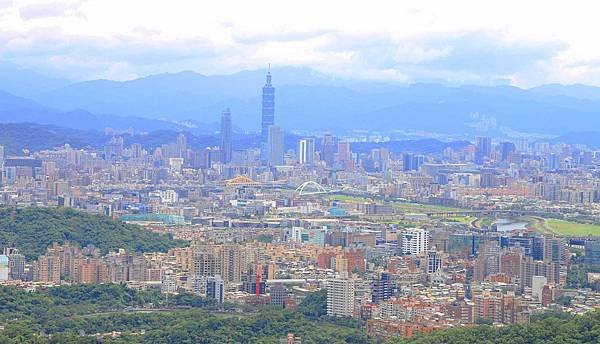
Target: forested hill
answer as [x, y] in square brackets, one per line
[34, 137]
[546, 328]
[72, 314]
[67, 313]
[33, 229]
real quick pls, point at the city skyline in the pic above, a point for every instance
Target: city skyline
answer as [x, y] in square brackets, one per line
[299, 172]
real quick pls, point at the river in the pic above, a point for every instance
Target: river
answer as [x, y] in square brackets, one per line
[508, 225]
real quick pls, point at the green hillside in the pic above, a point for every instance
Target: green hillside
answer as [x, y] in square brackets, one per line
[33, 229]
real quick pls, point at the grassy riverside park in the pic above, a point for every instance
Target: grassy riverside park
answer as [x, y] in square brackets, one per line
[405, 207]
[565, 228]
[548, 226]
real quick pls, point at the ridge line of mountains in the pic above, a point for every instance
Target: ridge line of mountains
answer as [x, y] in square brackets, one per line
[18, 137]
[305, 100]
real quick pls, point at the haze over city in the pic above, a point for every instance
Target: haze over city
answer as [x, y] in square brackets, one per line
[299, 172]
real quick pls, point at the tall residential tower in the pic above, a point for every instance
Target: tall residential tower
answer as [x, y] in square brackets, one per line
[226, 136]
[275, 145]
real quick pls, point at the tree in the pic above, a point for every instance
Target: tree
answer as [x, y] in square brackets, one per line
[266, 238]
[564, 300]
[314, 304]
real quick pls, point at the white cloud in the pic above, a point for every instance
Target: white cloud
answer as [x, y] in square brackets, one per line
[50, 9]
[461, 41]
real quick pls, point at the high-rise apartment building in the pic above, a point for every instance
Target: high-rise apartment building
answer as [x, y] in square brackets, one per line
[530, 268]
[125, 266]
[506, 148]
[487, 262]
[553, 249]
[16, 263]
[206, 261]
[483, 149]
[90, 270]
[136, 150]
[277, 293]
[328, 150]
[382, 288]
[414, 240]
[344, 153]
[434, 261]
[226, 144]
[231, 263]
[340, 297]
[412, 162]
[48, 268]
[223, 260]
[181, 145]
[215, 288]
[114, 148]
[592, 252]
[275, 146]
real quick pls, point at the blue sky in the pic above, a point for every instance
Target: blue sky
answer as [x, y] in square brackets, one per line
[482, 42]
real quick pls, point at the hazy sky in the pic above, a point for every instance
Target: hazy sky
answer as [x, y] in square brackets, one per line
[525, 42]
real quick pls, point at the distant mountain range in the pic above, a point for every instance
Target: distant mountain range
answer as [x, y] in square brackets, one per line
[577, 91]
[26, 83]
[305, 100]
[17, 109]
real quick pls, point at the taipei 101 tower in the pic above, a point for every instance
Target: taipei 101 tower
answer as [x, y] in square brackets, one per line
[268, 107]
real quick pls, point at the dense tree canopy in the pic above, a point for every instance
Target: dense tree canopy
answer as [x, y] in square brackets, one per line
[545, 329]
[70, 313]
[73, 314]
[314, 304]
[33, 229]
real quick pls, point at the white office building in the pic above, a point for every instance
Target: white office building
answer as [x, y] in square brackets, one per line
[306, 151]
[414, 240]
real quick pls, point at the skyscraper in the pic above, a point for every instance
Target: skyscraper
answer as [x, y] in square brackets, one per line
[344, 153]
[327, 152]
[136, 151]
[411, 162]
[344, 156]
[275, 145]
[268, 108]
[306, 151]
[483, 149]
[226, 136]
[506, 148]
[181, 145]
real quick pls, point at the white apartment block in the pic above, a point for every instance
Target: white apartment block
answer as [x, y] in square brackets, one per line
[414, 240]
[340, 297]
